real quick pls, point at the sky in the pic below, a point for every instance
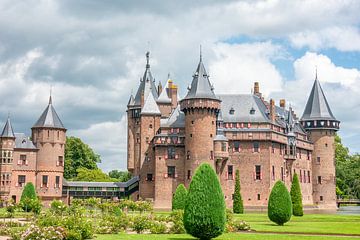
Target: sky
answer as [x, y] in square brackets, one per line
[92, 54]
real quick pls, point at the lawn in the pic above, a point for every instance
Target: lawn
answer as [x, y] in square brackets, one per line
[309, 223]
[228, 236]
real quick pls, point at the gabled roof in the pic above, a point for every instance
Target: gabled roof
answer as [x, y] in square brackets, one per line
[163, 97]
[49, 118]
[150, 106]
[317, 107]
[22, 141]
[147, 84]
[200, 85]
[175, 120]
[8, 130]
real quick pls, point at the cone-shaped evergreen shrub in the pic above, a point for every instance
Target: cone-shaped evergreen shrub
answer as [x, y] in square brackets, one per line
[296, 197]
[238, 206]
[27, 195]
[179, 198]
[204, 215]
[279, 205]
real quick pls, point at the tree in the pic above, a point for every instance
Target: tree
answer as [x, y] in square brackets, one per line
[78, 155]
[279, 205]
[238, 206]
[93, 175]
[296, 197]
[122, 176]
[28, 195]
[204, 214]
[179, 198]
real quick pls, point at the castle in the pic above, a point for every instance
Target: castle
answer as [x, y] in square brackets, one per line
[169, 137]
[39, 159]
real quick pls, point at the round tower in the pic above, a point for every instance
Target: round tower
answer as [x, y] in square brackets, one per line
[321, 126]
[7, 145]
[201, 107]
[49, 136]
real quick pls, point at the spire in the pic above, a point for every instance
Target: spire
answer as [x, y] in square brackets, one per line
[200, 54]
[317, 107]
[49, 118]
[50, 98]
[147, 84]
[8, 130]
[147, 59]
[200, 85]
[290, 120]
[131, 100]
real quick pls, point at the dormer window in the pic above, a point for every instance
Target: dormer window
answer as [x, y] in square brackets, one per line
[252, 111]
[232, 111]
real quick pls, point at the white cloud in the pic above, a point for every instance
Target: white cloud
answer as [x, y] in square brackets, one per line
[236, 67]
[341, 38]
[107, 139]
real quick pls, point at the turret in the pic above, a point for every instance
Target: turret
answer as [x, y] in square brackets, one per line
[321, 126]
[49, 136]
[200, 106]
[7, 145]
[221, 145]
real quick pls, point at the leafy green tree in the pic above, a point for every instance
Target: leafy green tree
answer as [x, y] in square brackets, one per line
[179, 198]
[279, 205]
[78, 155]
[204, 214]
[93, 175]
[347, 171]
[296, 197]
[122, 176]
[28, 194]
[238, 206]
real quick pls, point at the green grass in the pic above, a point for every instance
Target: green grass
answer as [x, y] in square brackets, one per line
[309, 223]
[227, 236]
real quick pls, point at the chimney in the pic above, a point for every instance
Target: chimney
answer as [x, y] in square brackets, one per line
[272, 110]
[159, 88]
[257, 89]
[282, 103]
[173, 94]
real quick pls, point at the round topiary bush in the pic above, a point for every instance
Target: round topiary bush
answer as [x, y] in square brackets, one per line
[204, 214]
[279, 205]
[296, 197]
[179, 198]
[238, 206]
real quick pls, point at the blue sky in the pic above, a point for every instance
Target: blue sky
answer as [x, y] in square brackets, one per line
[93, 54]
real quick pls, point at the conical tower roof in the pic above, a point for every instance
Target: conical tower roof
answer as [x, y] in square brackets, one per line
[8, 130]
[317, 107]
[163, 97]
[147, 84]
[200, 85]
[49, 118]
[150, 106]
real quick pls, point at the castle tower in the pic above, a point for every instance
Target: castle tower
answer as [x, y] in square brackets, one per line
[7, 145]
[49, 136]
[200, 106]
[321, 126]
[147, 86]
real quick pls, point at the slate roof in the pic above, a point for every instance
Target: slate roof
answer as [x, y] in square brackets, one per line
[200, 85]
[242, 104]
[150, 106]
[147, 84]
[49, 118]
[175, 120]
[100, 184]
[317, 107]
[131, 100]
[22, 141]
[163, 97]
[8, 130]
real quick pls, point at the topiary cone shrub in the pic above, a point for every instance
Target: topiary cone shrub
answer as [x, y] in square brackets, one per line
[204, 214]
[296, 197]
[279, 205]
[179, 198]
[238, 206]
[28, 194]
